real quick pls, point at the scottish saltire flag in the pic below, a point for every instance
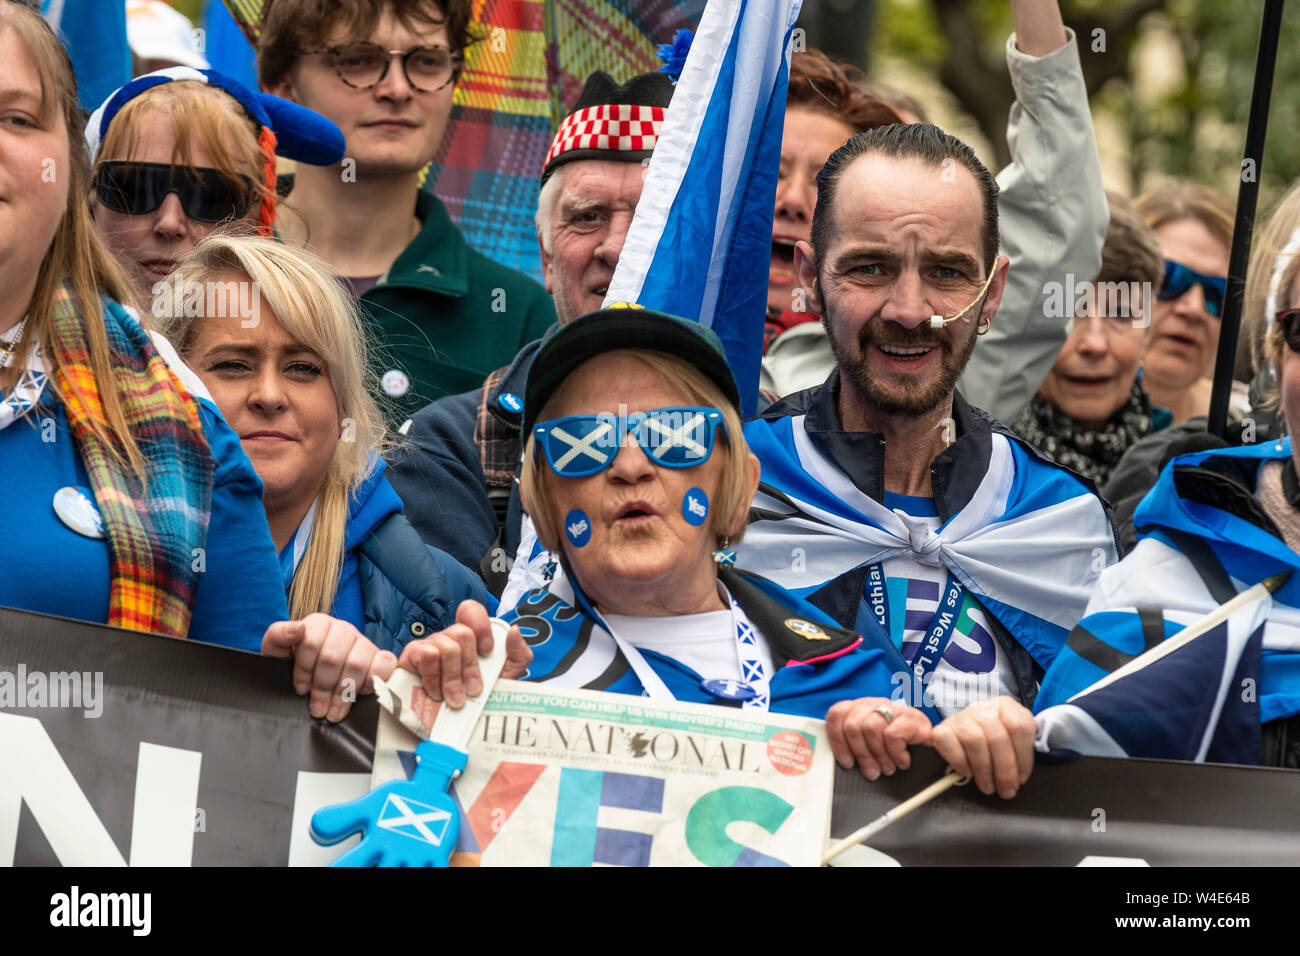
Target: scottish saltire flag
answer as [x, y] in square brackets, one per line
[1202, 543]
[700, 245]
[94, 33]
[1030, 543]
[1197, 702]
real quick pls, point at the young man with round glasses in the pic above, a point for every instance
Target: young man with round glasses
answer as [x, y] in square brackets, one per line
[445, 314]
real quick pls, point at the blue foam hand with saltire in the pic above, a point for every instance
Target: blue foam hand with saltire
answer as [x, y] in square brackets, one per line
[404, 822]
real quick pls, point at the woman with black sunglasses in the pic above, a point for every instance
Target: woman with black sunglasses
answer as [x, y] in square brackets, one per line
[181, 153]
[1194, 226]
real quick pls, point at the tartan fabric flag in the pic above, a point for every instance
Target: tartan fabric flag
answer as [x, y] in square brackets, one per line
[530, 63]
[711, 185]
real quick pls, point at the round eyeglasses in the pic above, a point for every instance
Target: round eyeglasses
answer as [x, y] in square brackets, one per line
[364, 65]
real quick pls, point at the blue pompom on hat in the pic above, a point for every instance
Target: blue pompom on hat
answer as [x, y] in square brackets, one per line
[673, 55]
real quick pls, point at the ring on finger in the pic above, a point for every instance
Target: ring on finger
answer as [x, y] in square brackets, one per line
[885, 711]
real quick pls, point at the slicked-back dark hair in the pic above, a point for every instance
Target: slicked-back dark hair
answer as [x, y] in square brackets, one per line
[919, 141]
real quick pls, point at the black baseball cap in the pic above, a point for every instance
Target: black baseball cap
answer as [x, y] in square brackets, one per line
[623, 326]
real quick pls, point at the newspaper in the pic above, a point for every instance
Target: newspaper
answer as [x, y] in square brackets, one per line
[577, 778]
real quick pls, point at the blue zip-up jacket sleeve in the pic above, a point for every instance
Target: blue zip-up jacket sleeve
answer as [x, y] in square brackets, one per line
[239, 592]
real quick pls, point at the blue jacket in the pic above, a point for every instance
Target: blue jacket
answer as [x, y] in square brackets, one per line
[816, 662]
[392, 586]
[439, 472]
[57, 571]
[1203, 538]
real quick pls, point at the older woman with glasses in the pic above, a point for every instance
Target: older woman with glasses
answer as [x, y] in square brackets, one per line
[181, 153]
[1093, 407]
[637, 475]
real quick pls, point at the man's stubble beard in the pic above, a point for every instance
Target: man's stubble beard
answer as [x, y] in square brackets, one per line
[911, 401]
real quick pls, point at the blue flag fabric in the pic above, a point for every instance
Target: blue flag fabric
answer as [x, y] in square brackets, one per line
[94, 33]
[227, 49]
[1207, 700]
[1195, 703]
[700, 245]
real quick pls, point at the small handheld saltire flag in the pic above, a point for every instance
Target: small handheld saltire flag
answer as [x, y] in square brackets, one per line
[700, 244]
[94, 33]
[1193, 695]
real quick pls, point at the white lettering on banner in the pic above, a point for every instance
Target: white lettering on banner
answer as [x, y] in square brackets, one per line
[167, 784]
[313, 791]
[75, 908]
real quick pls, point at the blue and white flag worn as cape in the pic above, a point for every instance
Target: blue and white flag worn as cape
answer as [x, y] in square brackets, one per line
[1029, 544]
[1194, 554]
[700, 244]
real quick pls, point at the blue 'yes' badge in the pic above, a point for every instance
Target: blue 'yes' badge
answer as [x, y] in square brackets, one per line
[695, 507]
[577, 527]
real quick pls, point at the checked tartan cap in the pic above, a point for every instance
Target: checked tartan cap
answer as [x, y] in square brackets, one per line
[623, 326]
[612, 121]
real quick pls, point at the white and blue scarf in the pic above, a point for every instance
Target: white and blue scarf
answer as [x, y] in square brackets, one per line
[1029, 544]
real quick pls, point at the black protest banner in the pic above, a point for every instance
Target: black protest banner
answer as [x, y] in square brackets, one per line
[117, 746]
[120, 747]
[1095, 809]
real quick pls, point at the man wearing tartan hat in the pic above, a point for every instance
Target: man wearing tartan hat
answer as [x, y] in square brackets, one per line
[456, 474]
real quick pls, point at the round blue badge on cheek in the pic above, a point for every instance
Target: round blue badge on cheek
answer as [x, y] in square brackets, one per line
[695, 507]
[577, 527]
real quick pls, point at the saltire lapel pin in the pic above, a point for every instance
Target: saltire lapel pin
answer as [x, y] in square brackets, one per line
[415, 822]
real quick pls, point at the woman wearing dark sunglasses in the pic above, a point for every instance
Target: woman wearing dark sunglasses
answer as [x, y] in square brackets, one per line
[636, 473]
[1194, 226]
[181, 153]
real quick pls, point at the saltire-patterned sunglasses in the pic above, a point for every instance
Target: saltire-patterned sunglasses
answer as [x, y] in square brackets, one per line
[680, 436]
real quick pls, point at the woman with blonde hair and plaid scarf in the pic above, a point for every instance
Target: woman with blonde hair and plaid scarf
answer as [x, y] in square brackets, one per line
[125, 498]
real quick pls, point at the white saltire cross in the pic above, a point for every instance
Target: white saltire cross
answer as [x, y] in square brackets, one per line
[677, 436]
[582, 446]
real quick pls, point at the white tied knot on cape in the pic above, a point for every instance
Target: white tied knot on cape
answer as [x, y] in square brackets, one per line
[924, 542]
[1044, 561]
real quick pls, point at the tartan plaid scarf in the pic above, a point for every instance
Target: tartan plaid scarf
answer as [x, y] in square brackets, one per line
[154, 533]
